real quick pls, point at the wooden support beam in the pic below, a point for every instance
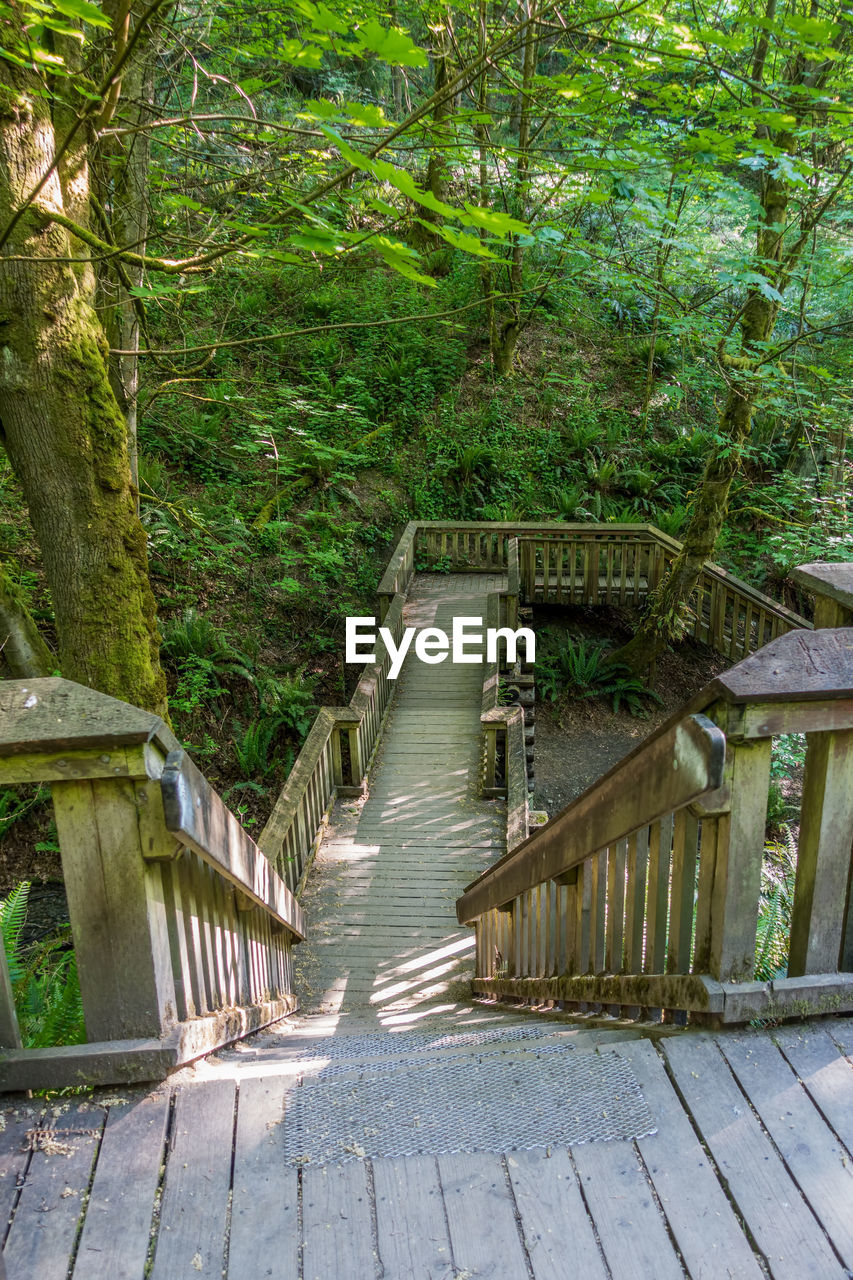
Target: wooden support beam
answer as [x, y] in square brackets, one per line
[823, 862]
[737, 863]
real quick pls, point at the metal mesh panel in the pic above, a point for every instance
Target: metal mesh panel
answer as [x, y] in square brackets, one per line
[465, 1104]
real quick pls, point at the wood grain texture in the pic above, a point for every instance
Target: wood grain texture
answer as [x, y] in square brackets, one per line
[812, 1153]
[44, 1228]
[191, 1237]
[630, 1227]
[126, 1178]
[782, 1224]
[337, 1223]
[264, 1237]
[557, 1231]
[477, 1196]
[412, 1230]
[700, 1217]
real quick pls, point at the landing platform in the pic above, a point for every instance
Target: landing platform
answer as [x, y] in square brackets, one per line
[747, 1172]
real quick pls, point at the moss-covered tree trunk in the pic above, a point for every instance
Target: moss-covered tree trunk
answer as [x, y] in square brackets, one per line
[23, 651]
[61, 425]
[780, 239]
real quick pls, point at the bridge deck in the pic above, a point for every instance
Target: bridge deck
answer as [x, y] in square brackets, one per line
[742, 1168]
[380, 896]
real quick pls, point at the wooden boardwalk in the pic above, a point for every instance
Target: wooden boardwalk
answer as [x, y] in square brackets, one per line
[748, 1172]
[384, 942]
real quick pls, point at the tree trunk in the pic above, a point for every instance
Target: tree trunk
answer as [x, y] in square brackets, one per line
[63, 430]
[775, 260]
[120, 170]
[21, 646]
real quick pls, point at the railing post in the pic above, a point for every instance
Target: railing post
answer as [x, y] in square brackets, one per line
[10, 1033]
[737, 855]
[107, 829]
[823, 862]
[356, 762]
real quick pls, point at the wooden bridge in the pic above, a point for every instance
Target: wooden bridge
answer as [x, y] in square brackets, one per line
[610, 1118]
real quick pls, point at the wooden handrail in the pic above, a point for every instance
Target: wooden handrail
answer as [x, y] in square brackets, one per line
[642, 895]
[676, 766]
[295, 827]
[197, 818]
[614, 564]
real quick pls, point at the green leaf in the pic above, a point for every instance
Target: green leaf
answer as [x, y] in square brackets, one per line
[492, 220]
[401, 258]
[83, 10]
[391, 45]
[459, 240]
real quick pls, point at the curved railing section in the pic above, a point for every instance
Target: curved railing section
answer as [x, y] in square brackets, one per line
[641, 898]
[616, 564]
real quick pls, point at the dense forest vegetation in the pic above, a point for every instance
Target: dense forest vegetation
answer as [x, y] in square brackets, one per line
[274, 280]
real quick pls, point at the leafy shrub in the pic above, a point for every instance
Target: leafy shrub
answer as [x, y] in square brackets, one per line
[778, 877]
[44, 979]
[580, 668]
[664, 361]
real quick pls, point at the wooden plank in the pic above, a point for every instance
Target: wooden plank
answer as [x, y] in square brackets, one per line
[818, 1061]
[766, 1196]
[412, 1232]
[44, 1229]
[14, 1156]
[337, 1222]
[191, 1238]
[117, 1229]
[557, 1231]
[615, 928]
[812, 1153]
[481, 1216]
[660, 842]
[638, 853]
[264, 1237]
[51, 715]
[823, 860]
[630, 1228]
[684, 853]
[706, 1231]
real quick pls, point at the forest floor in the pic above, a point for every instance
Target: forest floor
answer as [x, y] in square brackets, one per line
[579, 739]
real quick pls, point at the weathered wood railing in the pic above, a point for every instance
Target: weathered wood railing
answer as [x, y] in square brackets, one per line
[642, 896]
[333, 761]
[182, 930]
[617, 564]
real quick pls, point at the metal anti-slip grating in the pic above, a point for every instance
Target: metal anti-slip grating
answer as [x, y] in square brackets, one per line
[560, 1098]
[374, 1044]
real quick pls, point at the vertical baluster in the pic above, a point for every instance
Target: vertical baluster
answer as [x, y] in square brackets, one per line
[179, 943]
[598, 906]
[583, 913]
[684, 854]
[660, 843]
[635, 906]
[615, 906]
